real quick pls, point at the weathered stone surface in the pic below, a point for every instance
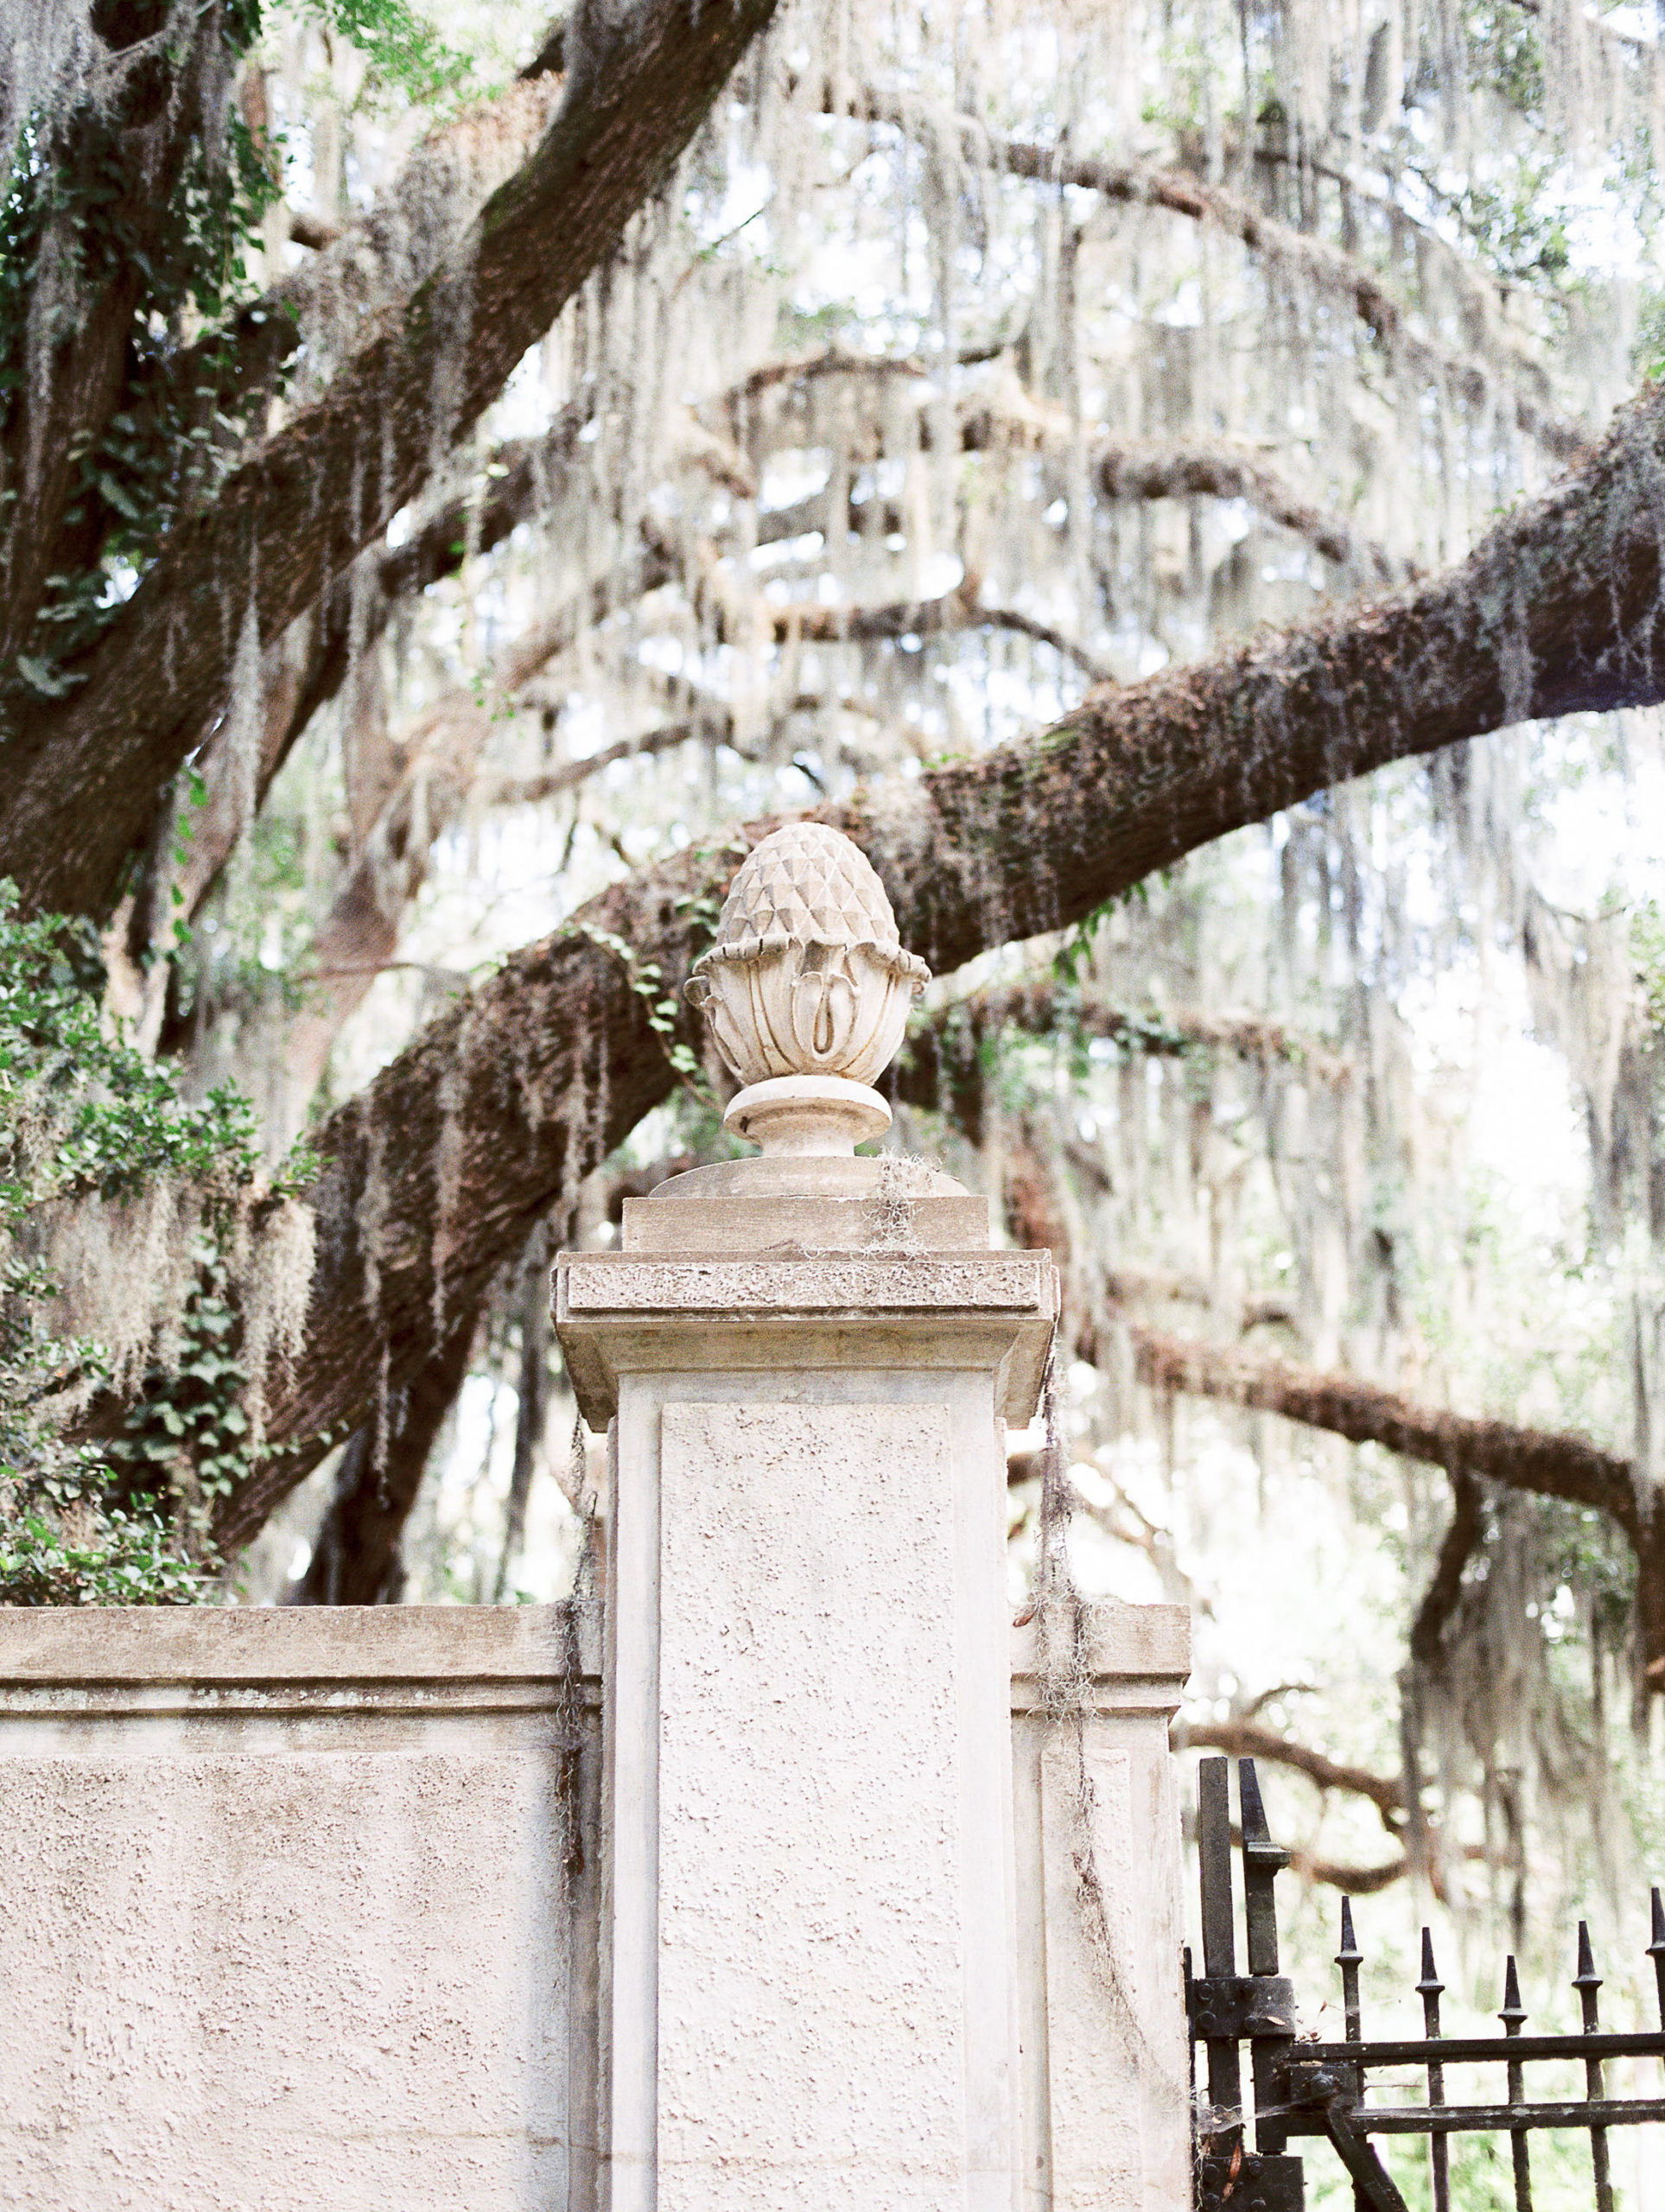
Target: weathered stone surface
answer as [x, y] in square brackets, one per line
[814, 1282]
[809, 1175]
[285, 1927]
[284, 1647]
[806, 975]
[822, 1311]
[763, 1226]
[1104, 2061]
[810, 1911]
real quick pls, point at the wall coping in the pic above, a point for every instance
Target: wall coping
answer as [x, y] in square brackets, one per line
[64, 1645]
[1137, 1652]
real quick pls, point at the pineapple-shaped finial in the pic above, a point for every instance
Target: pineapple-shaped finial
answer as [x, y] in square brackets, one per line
[807, 981]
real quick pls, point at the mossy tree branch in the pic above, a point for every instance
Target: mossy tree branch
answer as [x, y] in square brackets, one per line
[84, 775]
[1544, 1463]
[435, 1173]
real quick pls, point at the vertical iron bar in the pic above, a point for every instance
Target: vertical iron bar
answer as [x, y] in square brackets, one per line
[1587, 1981]
[1430, 1989]
[1656, 1953]
[1349, 1958]
[1512, 2016]
[1262, 1861]
[1226, 2080]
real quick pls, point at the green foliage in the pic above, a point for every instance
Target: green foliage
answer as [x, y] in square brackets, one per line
[130, 1560]
[646, 979]
[1648, 354]
[83, 1117]
[82, 1112]
[1506, 54]
[1518, 226]
[189, 1434]
[1074, 956]
[1647, 957]
[403, 51]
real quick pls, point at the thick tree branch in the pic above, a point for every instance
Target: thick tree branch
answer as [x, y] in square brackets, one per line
[1457, 1548]
[301, 509]
[159, 78]
[957, 610]
[360, 268]
[1120, 470]
[942, 1069]
[434, 1175]
[309, 662]
[1547, 1462]
[1247, 1739]
[437, 761]
[1351, 1881]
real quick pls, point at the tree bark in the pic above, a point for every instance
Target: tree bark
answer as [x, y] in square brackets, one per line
[1547, 1462]
[435, 1173]
[943, 1070]
[1440, 1598]
[127, 149]
[82, 789]
[1154, 469]
[308, 663]
[532, 1413]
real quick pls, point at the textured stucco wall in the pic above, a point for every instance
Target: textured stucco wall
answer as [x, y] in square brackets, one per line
[1106, 2123]
[284, 1922]
[812, 1967]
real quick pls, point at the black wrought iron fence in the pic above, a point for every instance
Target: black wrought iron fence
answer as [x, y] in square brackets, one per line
[1301, 2088]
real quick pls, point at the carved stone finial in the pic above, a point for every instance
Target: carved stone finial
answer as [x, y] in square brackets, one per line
[807, 991]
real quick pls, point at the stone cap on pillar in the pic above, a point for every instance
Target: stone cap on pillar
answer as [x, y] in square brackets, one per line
[620, 1312]
[1137, 1658]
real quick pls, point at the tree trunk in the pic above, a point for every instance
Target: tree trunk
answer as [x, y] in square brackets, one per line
[82, 788]
[355, 1560]
[121, 158]
[532, 1415]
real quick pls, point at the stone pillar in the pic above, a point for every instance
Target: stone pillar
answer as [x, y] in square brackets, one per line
[1102, 2008]
[809, 1943]
[808, 1971]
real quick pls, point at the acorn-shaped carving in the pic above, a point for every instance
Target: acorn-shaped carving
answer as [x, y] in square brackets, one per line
[807, 976]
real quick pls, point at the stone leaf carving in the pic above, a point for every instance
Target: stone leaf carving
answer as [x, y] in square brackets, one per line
[807, 976]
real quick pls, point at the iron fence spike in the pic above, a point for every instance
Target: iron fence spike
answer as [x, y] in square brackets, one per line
[1513, 2008]
[1430, 1985]
[1349, 1954]
[1587, 1977]
[1657, 1946]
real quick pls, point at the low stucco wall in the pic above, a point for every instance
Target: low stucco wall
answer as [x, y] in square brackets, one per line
[291, 1913]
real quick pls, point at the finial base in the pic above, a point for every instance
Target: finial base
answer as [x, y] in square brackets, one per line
[804, 1116]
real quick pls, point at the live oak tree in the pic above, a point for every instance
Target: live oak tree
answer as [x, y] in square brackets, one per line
[1045, 443]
